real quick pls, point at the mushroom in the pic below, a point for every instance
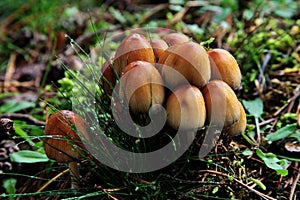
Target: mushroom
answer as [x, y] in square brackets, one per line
[185, 62]
[175, 38]
[133, 48]
[108, 77]
[224, 67]
[240, 126]
[141, 86]
[158, 46]
[222, 105]
[185, 108]
[62, 143]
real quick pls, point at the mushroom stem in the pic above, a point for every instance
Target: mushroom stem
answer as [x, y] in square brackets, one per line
[75, 176]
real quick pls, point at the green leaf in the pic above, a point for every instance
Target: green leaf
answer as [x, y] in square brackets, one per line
[8, 94]
[289, 158]
[27, 156]
[254, 107]
[176, 8]
[248, 14]
[10, 185]
[259, 183]
[215, 190]
[23, 134]
[181, 2]
[296, 135]
[273, 162]
[247, 152]
[210, 40]
[117, 15]
[282, 133]
[15, 106]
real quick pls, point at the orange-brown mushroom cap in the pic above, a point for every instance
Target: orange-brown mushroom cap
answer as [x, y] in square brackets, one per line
[185, 62]
[185, 108]
[224, 67]
[175, 38]
[141, 86]
[221, 103]
[238, 127]
[133, 48]
[62, 143]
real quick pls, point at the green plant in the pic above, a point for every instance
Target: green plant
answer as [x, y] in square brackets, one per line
[255, 108]
[10, 186]
[272, 161]
[29, 156]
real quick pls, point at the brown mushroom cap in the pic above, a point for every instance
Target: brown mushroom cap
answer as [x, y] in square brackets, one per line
[240, 126]
[108, 78]
[142, 86]
[133, 48]
[185, 108]
[224, 67]
[175, 38]
[222, 105]
[159, 46]
[189, 60]
[60, 146]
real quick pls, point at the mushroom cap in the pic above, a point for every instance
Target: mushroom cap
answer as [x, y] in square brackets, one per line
[222, 105]
[238, 127]
[141, 86]
[108, 78]
[133, 48]
[224, 67]
[175, 38]
[185, 62]
[185, 108]
[60, 146]
[158, 46]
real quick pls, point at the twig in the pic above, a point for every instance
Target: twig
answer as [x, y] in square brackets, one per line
[25, 117]
[239, 182]
[267, 121]
[14, 84]
[289, 101]
[294, 185]
[10, 70]
[154, 10]
[108, 191]
[298, 114]
[141, 180]
[178, 16]
[53, 179]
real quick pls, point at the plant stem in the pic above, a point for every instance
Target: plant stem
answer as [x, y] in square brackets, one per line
[257, 130]
[52, 180]
[75, 176]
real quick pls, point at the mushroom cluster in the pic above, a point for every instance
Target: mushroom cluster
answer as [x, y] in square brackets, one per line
[192, 84]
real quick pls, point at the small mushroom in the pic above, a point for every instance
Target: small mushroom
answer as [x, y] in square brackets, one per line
[185, 62]
[133, 48]
[222, 105]
[185, 108]
[224, 67]
[158, 46]
[240, 126]
[141, 86]
[62, 143]
[175, 38]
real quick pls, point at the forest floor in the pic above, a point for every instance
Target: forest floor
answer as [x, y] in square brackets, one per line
[44, 45]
